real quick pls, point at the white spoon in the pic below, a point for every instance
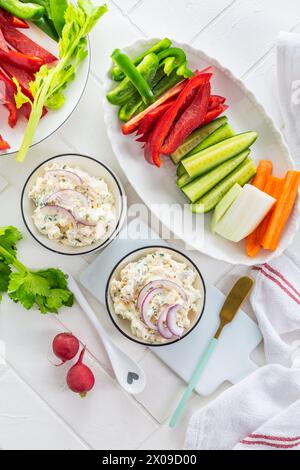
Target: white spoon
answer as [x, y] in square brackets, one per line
[128, 373]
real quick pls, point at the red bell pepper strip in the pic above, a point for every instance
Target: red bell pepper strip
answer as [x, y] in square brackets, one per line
[215, 101]
[24, 78]
[7, 93]
[26, 62]
[132, 125]
[24, 44]
[152, 117]
[13, 20]
[3, 43]
[3, 144]
[214, 113]
[153, 146]
[190, 120]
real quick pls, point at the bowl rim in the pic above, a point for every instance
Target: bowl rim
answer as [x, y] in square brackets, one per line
[120, 218]
[143, 343]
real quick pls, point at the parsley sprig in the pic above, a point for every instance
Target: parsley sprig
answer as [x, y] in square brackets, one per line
[47, 289]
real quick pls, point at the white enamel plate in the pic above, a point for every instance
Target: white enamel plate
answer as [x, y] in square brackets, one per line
[157, 186]
[53, 119]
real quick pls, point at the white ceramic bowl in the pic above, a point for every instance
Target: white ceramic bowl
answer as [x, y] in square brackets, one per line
[94, 168]
[157, 186]
[124, 325]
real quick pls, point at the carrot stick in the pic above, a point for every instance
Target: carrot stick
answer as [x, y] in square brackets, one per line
[274, 188]
[264, 170]
[282, 211]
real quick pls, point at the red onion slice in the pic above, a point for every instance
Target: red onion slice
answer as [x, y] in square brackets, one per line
[162, 329]
[55, 210]
[145, 307]
[164, 283]
[171, 321]
[68, 174]
[81, 220]
[68, 196]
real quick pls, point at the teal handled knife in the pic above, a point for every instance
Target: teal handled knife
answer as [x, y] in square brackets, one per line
[233, 302]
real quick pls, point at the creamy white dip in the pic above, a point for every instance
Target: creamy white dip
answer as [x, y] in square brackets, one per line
[158, 265]
[88, 206]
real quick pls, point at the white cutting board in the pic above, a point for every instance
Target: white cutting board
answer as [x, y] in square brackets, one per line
[231, 359]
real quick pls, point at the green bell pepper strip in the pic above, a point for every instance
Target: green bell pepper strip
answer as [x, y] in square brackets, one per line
[118, 75]
[172, 59]
[30, 11]
[137, 79]
[48, 27]
[57, 10]
[136, 105]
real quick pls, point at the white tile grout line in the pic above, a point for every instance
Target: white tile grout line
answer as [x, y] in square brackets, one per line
[135, 6]
[53, 412]
[213, 20]
[264, 56]
[135, 26]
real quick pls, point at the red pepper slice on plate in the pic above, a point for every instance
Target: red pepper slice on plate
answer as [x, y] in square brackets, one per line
[24, 78]
[7, 93]
[24, 44]
[13, 20]
[132, 125]
[152, 117]
[153, 146]
[3, 144]
[214, 113]
[215, 101]
[19, 23]
[25, 62]
[190, 120]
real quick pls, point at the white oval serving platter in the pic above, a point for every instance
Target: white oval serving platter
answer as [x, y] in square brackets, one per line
[53, 119]
[157, 186]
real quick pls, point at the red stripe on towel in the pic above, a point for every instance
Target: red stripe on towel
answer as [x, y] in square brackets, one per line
[270, 444]
[274, 271]
[282, 287]
[274, 438]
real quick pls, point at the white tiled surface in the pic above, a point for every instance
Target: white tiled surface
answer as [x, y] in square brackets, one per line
[36, 409]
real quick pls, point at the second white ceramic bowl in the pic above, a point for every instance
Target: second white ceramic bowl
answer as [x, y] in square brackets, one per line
[124, 325]
[92, 167]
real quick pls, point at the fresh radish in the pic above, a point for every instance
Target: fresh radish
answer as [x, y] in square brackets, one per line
[65, 346]
[80, 378]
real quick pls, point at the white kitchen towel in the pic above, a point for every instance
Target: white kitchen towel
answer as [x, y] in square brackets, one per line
[263, 411]
[276, 303]
[288, 72]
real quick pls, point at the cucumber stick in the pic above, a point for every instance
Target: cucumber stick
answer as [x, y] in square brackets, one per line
[223, 206]
[183, 180]
[222, 133]
[213, 156]
[180, 170]
[200, 186]
[196, 137]
[241, 175]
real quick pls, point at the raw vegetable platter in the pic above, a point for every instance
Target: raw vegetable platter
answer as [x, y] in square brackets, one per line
[54, 119]
[157, 186]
